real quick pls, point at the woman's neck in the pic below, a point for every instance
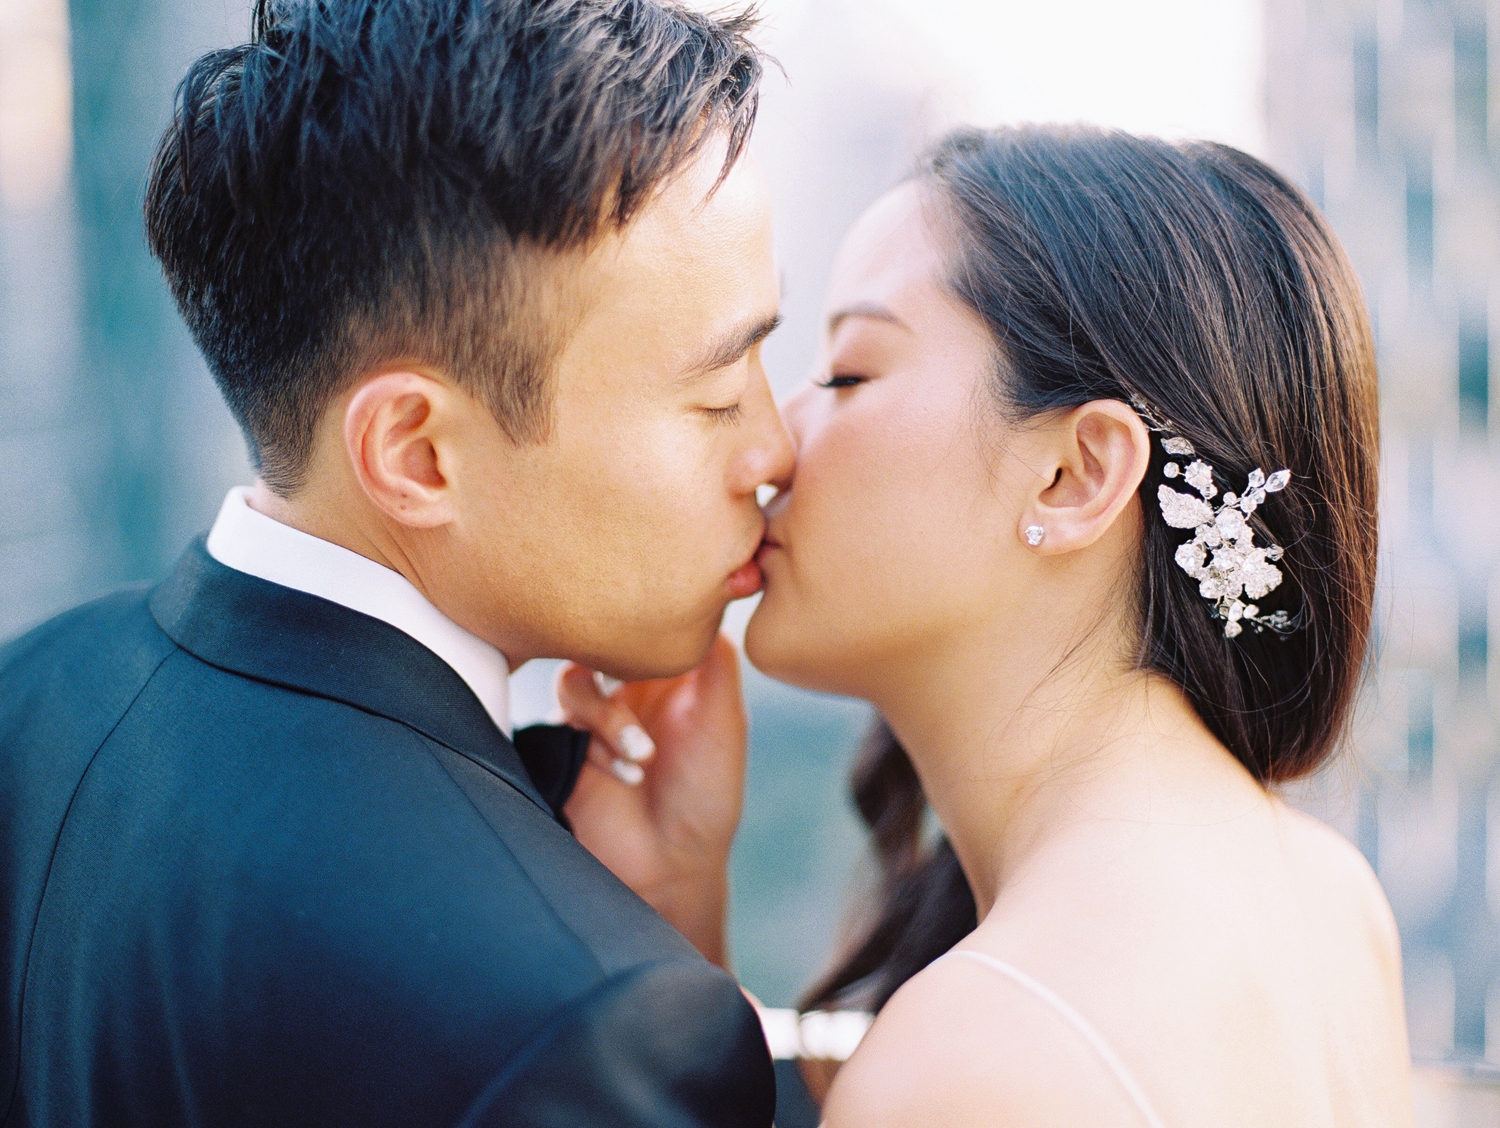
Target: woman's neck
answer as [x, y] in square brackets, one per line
[1018, 745]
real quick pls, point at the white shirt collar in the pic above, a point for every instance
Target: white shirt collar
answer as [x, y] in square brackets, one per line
[251, 542]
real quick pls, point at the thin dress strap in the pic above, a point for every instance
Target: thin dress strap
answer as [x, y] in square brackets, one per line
[1078, 1023]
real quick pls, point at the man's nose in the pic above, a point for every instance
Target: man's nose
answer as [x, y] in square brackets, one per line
[773, 454]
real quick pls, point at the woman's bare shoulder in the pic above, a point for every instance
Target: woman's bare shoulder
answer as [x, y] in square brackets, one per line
[1335, 872]
[961, 1045]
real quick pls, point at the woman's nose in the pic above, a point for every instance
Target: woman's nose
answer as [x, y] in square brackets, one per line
[784, 458]
[794, 411]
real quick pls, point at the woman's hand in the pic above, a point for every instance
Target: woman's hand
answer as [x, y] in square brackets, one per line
[659, 805]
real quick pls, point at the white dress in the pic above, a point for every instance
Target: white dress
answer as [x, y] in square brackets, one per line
[1095, 1040]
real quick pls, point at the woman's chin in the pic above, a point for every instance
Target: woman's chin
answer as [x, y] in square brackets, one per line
[773, 640]
[762, 639]
[781, 646]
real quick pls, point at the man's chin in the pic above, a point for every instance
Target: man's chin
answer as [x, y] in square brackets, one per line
[655, 653]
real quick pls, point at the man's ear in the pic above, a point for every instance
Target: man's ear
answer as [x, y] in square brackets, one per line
[1099, 454]
[395, 439]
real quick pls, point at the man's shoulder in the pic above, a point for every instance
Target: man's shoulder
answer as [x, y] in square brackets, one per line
[668, 1042]
[586, 900]
[334, 885]
[64, 685]
[338, 849]
[106, 673]
[111, 639]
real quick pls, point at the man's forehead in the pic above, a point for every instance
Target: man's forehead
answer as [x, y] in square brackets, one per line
[684, 248]
[676, 308]
[697, 209]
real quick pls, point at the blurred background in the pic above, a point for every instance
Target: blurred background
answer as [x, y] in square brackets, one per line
[115, 449]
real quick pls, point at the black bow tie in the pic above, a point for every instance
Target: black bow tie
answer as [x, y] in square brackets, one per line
[553, 755]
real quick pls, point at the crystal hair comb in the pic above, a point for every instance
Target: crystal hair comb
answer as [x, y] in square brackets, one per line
[1222, 556]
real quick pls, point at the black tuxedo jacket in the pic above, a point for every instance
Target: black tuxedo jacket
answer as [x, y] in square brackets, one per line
[266, 861]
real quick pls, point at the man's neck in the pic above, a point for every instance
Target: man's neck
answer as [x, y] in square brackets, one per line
[347, 522]
[311, 559]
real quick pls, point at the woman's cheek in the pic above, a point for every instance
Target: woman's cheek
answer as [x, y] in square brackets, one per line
[856, 518]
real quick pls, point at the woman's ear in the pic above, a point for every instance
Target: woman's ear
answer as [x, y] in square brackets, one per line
[1100, 453]
[393, 434]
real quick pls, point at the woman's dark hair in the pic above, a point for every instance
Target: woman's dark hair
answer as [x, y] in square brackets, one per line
[1194, 279]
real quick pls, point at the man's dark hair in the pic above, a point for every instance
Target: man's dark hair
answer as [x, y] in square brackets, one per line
[378, 180]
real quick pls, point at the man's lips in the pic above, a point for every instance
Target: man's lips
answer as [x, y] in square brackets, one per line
[746, 579]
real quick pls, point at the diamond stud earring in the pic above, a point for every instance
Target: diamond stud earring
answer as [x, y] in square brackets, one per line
[1034, 535]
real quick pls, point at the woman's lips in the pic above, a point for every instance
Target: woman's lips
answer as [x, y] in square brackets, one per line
[763, 557]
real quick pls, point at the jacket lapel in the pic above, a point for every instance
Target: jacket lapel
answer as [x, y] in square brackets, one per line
[274, 634]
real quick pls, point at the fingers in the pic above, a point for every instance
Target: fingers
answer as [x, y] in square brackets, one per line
[621, 745]
[715, 688]
[604, 758]
[721, 669]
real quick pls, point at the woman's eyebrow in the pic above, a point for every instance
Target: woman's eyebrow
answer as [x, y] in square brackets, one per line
[873, 310]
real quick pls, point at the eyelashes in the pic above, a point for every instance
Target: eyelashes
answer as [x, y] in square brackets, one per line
[731, 414]
[840, 382]
[726, 415]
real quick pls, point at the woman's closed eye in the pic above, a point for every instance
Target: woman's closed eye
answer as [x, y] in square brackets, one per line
[840, 382]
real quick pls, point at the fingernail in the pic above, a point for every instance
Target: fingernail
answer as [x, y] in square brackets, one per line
[607, 685]
[636, 744]
[626, 772]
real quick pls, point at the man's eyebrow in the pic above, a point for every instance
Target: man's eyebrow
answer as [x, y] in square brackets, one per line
[873, 310]
[733, 346]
